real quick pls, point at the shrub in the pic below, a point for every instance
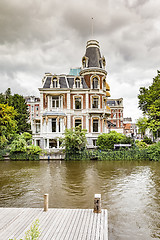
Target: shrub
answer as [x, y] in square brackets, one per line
[106, 141]
[153, 152]
[141, 144]
[18, 145]
[34, 150]
[147, 140]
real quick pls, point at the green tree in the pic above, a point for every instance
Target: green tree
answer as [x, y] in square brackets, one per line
[2, 98]
[149, 103]
[22, 117]
[142, 124]
[18, 102]
[8, 97]
[8, 124]
[74, 140]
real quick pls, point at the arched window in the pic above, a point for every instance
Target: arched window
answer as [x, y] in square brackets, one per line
[95, 83]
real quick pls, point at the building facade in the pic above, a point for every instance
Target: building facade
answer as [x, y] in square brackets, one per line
[116, 117]
[33, 104]
[79, 98]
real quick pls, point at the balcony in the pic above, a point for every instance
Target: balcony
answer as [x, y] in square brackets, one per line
[99, 111]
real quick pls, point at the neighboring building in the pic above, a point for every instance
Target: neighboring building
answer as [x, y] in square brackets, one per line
[79, 98]
[116, 117]
[128, 127]
[33, 104]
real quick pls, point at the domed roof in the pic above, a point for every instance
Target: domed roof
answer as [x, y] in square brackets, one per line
[93, 54]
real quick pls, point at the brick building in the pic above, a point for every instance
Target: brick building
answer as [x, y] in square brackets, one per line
[116, 117]
[33, 104]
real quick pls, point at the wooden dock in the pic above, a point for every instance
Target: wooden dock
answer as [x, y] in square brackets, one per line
[55, 224]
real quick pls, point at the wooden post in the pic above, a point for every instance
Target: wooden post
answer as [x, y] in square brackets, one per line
[97, 203]
[45, 202]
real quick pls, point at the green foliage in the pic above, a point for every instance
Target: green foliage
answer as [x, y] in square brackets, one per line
[141, 144]
[134, 154]
[147, 140]
[18, 103]
[33, 233]
[22, 117]
[8, 124]
[21, 156]
[34, 150]
[106, 141]
[26, 136]
[142, 125]
[149, 103]
[22, 149]
[153, 152]
[74, 140]
[2, 153]
[18, 145]
[123, 155]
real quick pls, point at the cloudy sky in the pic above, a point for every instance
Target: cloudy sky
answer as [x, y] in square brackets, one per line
[39, 36]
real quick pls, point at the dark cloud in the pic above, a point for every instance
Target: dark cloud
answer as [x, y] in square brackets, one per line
[50, 36]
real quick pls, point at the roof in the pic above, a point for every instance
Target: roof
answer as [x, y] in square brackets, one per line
[74, 71]
[64, 81]
[127, 125]
[94, 55]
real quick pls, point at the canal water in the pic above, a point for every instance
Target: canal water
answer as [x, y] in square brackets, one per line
[130, 191]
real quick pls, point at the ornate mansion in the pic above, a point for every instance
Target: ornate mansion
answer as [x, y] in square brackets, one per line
[79, 98]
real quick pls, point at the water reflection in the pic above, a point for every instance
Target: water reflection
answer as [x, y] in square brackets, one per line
[130, 191]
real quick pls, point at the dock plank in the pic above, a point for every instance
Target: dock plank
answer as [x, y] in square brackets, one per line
[55, 224]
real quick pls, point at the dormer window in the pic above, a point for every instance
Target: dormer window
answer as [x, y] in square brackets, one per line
[95, 83]
[77, 83]
[103, 62]
[85, 62]
[55, 83]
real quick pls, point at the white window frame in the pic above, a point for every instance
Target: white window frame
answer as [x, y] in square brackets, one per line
[78, 118]
[92, 97]
[74, 100]
[91, 82]
[54, 82]
[60, 102]
[96, 118]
